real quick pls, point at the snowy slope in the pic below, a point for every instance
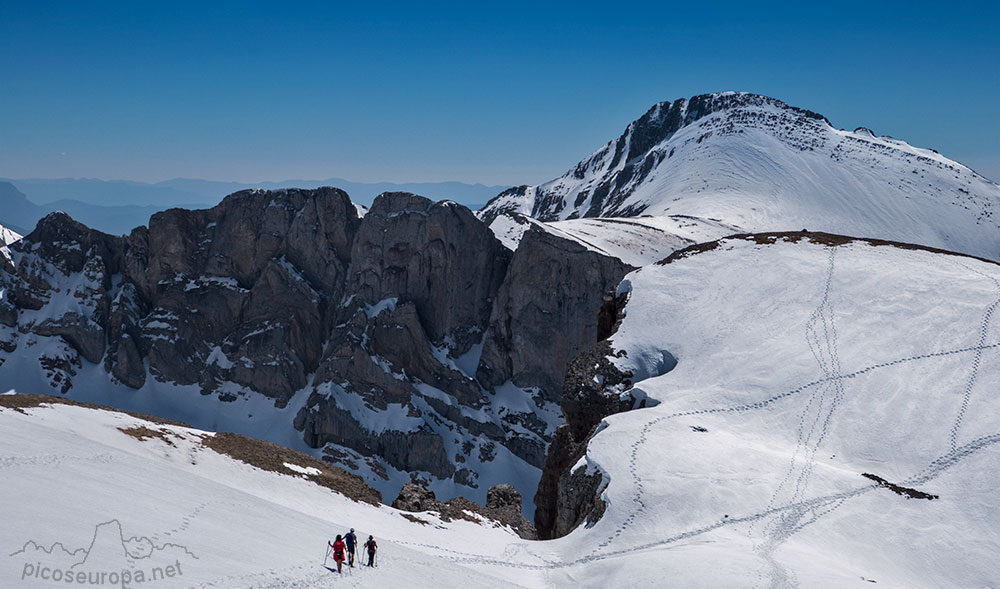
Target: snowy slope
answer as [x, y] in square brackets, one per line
[254, 416]
[642, 240]
[86, 491]
[637, 241]
[8, 236]
[757, 163]
[807, 366]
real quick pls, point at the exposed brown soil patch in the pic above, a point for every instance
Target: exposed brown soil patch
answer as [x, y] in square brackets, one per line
[263, 455]
[22, 401]
[272, 457]
[458, 507]
[689, 251]
[143, 433]
[904, 491]
[811, 236]
[414, 519]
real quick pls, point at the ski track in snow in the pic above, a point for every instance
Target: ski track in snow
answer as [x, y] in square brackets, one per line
[307, 574]
[977, 360]
[935, 469]
[50, 460]
[304, 575]
[781, 522]
[823, 404]
[185, 522]
[788, 511]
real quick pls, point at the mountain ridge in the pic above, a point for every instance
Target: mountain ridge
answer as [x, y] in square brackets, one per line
[366, 341]
[118, 206]
[760, 164]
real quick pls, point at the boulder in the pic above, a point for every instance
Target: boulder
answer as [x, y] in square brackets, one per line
[413, 497]
[504, 504]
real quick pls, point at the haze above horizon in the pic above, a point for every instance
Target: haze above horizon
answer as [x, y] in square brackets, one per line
[500, 95]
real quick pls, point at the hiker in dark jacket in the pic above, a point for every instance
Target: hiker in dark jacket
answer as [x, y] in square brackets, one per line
[351, 540]
[371, 547]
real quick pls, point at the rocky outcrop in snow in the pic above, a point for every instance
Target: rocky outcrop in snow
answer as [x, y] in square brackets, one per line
[364, 334]
[594, 388]
[503, 505]
[239, 293]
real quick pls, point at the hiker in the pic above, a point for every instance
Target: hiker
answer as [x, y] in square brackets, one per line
[351, 540]
[371, 547]
[338, 552]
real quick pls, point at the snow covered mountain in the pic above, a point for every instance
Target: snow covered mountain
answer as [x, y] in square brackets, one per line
[815, 412]
[758, 409]
[636, 241]
[761, 165]
[369, 342]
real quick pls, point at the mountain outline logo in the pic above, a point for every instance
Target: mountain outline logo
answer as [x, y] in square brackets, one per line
[135, 547]
[109, 558]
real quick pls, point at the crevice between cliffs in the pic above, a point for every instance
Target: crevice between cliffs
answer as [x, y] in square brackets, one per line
[594, 388]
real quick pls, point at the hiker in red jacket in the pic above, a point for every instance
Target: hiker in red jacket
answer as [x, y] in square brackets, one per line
[338, 552]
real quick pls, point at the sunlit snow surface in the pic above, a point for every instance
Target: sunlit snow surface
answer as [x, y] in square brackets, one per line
[634, 240]
[8, 236]
[763, 166]
[78, 490]
[808, 365]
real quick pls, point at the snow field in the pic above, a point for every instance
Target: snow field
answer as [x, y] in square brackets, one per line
[69, 469]
[857, 359]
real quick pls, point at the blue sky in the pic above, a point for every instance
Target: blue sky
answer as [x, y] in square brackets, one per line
[506, 93]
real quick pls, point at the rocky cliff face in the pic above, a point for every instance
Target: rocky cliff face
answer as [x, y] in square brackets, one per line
[240, 293]
[552, 282]
[407, 345]
[423, 280]
[594, 388]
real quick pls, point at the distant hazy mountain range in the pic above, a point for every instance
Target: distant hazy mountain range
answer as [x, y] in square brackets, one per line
[116, 206]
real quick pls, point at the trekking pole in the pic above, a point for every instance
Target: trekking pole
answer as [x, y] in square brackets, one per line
[327, 555]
